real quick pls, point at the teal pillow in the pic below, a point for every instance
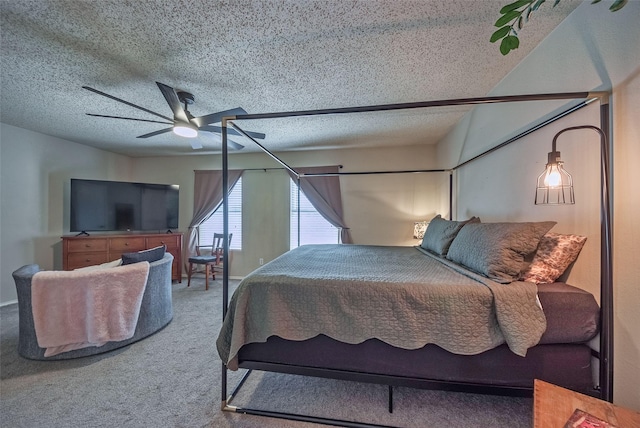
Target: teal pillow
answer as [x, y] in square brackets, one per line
[499, 251]
[151, 255]
[440, 233]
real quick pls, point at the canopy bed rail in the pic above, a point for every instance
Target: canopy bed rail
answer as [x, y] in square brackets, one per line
[605, 388]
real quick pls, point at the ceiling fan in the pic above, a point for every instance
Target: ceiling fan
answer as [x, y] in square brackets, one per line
[183, 122]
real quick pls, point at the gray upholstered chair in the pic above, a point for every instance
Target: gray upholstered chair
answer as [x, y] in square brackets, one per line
[212, 262]
[156, 311]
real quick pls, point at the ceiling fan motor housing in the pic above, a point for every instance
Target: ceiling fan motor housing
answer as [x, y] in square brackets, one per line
[186, 97]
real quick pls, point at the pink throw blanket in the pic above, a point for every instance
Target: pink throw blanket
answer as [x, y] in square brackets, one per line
[78, 309]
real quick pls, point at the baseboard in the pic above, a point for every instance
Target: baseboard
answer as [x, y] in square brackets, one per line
[184, 278]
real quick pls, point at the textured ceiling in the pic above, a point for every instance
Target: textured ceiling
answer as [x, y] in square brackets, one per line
[264, 56]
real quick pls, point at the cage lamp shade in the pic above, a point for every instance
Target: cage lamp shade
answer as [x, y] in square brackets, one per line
[185, 130]
[555, 185]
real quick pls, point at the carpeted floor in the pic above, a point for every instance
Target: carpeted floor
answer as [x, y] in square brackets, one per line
[172, 379]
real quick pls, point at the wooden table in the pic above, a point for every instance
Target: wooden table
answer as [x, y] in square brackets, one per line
[553, 405]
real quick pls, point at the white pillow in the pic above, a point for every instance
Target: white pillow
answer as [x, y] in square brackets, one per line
[107, 265]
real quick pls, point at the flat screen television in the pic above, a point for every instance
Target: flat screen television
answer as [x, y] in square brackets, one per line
[98, 205]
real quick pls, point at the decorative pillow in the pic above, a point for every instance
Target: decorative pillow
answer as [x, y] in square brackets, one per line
[555, 253]
[440, 233]
[151, 255]
[497, 250]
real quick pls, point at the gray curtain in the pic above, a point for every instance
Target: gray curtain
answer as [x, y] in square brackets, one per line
[207, 196]
[325, 196]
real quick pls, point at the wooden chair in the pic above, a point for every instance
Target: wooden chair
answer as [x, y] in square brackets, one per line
[211, 262]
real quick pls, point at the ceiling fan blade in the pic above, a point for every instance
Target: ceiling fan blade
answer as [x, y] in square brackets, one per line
[154, 133]
[235, 146]
[208, 119]
[214, 138]
[218, 129]
[195, 143]
[127, 118]
[173, 101]
[127, 103]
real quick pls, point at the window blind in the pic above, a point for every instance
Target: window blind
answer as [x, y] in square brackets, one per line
[214, 223]
[314, 229]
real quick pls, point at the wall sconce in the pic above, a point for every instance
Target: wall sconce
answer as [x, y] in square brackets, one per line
[419, 228]
[555, 185]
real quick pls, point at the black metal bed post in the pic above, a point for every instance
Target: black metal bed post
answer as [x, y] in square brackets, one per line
[606, 253]
[298, 183]
[450, 195]
[225, 229]
[225, 247]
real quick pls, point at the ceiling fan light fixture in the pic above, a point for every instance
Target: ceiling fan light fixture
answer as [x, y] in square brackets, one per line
[185, 130]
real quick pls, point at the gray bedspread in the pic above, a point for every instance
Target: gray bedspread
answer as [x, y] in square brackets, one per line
[399, 295]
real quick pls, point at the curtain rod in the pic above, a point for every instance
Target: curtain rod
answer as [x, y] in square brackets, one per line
[337, 174]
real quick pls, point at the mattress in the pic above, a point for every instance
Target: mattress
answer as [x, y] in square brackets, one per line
[399, 295]
[562, 357]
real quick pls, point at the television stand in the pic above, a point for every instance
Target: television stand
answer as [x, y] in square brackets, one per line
[82, 251]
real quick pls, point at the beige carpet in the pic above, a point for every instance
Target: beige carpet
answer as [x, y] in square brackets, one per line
[172, 379]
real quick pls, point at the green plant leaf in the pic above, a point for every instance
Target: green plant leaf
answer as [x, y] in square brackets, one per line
[504, 47]
[514, 5]
[617, 5]
[596, 1]
[508, 44]
[513, 41]
[509, 16]
[538, 4]
[500, 33]
[555, 3]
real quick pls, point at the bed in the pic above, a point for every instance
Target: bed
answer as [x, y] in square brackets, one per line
[410, 316]
[562, 354]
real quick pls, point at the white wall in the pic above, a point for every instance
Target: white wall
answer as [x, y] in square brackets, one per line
[593, 49]
[35, 170]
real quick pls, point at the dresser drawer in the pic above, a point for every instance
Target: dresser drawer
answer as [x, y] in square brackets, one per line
[78, 260]
[126, 245]
[170, 241]
[86, 244]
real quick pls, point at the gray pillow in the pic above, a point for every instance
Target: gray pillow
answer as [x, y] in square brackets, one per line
[151, 255]
[440, 233]
[498, 251]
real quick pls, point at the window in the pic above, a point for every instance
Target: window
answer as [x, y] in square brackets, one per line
[314, 229]
[214, 223]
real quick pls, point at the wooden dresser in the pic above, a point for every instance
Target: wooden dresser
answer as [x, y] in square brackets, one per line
[82, 251]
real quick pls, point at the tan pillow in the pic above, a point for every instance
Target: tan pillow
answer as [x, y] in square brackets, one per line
[555, 253]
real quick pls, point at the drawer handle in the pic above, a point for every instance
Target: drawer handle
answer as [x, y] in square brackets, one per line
[126, 244]
[87, 245]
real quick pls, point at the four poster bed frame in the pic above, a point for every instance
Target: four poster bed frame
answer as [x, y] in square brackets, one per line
[605, 354]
